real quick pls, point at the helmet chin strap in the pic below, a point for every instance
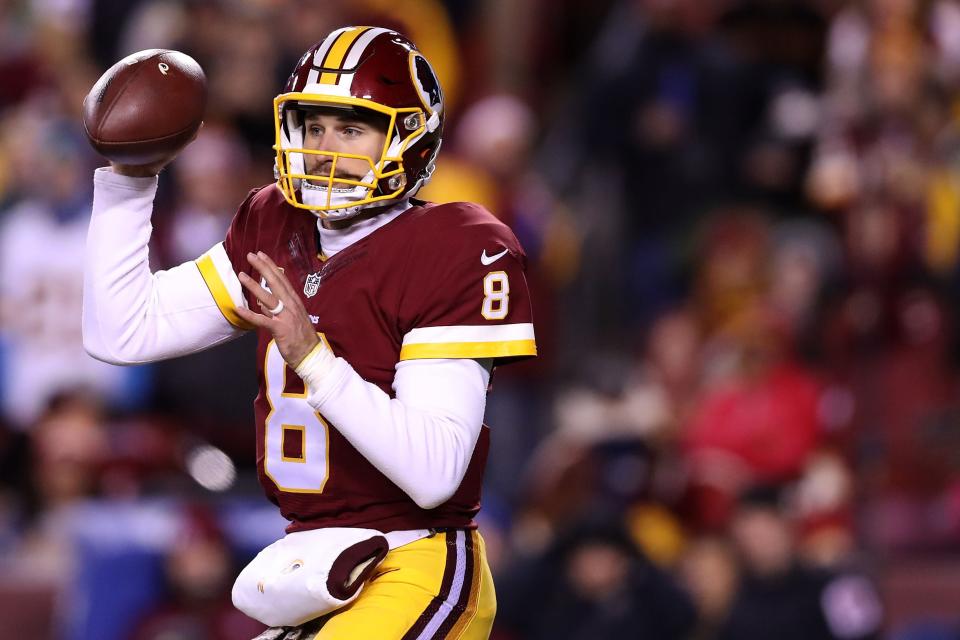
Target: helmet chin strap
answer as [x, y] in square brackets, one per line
[340, 200]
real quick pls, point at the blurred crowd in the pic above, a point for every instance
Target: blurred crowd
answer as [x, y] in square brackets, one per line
[742, 219]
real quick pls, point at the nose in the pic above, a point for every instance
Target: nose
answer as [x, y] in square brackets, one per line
[328, 141]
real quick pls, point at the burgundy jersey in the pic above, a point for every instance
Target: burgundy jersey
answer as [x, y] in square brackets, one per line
[438, 281]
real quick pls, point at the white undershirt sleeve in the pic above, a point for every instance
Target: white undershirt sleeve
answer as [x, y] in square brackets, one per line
[133, 316]
[423, 439]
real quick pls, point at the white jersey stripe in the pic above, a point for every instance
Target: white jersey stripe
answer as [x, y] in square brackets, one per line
[470, 333]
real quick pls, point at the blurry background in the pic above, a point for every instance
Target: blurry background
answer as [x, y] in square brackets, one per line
[743, 225]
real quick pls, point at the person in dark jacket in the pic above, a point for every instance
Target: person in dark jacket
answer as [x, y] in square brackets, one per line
[779, 597]
[594, 583]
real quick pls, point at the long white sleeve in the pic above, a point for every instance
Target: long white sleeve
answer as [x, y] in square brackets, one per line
[130, 315]
[423, 439]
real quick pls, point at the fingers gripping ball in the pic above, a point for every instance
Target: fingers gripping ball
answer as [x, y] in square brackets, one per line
[146, 108]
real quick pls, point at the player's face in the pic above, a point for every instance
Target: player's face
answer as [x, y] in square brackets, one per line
[341, 134]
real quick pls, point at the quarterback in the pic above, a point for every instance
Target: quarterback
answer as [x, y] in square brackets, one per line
[380, 319]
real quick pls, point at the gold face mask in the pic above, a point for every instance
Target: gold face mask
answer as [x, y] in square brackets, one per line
[326, 194]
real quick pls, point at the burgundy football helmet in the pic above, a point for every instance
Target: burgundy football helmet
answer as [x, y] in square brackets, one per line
[363, 69]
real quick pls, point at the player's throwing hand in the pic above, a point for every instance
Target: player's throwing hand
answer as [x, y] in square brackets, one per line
[284, 314]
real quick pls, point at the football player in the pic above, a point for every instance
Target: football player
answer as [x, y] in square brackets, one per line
[380, 318]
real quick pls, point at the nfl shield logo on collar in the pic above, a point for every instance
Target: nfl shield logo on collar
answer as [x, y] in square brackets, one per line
[311, 285]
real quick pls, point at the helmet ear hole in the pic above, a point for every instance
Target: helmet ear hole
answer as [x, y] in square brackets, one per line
[412, 121]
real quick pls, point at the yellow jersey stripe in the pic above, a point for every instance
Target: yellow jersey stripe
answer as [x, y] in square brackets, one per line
[338, 52]
[506, 349]
[219, 291]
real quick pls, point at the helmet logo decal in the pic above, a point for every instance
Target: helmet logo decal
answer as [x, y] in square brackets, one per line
[427, 83]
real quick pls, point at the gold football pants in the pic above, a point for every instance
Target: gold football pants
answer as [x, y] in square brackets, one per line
[435, 588]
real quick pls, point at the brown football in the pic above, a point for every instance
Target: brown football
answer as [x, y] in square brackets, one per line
[146, 107]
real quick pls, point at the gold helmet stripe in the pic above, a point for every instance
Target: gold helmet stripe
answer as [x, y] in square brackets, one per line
[352, 59]
[337, 53]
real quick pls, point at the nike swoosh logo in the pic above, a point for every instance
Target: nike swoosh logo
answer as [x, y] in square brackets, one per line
[486, 260]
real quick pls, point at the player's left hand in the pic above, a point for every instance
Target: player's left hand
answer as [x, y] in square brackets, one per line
[283, 315]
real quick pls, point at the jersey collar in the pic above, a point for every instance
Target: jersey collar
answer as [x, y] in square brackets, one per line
[333, 241]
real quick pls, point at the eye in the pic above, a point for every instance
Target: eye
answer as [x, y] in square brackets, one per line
[352, 132]
[315, 130]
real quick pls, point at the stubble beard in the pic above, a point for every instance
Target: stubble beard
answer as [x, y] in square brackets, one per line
[322, 168]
